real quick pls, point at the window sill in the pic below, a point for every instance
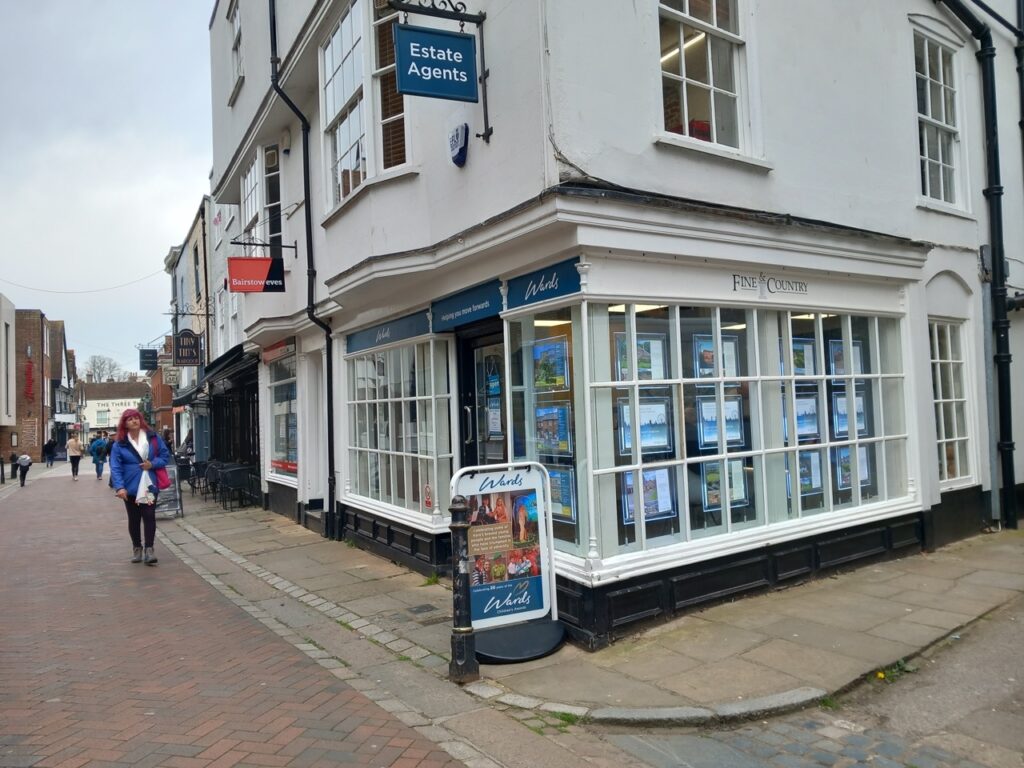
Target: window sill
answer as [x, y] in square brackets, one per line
[703, 147]
[927, 204]
[233, 96]
[291, 482]
[402, 172]
[956, 485]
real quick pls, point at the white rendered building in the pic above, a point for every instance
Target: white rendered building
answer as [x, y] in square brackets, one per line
[729, 252]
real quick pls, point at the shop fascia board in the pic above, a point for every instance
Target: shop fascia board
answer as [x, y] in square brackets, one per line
[595, 572]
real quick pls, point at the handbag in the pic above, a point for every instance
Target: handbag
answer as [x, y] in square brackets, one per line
[163, 480]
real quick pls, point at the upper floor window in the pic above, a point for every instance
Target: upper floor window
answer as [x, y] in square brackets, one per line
[195, 271]
[700, 50]
[236, 41]
[348, 107]
[938, 135]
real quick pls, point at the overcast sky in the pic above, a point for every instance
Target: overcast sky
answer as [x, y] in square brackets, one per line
[106, 156]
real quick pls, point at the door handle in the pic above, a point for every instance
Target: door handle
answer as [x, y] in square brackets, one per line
[467, 424]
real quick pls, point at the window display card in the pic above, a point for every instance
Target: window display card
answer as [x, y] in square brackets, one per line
[810, 473]
[551, 364]
[655, 425]
[707, 418]
[554, 428]
[843, 470]
[563, 494]
[837, 360]
[650, 357]
[704, 356]
[806, 407]
[803, 357]
[711, 485]
[841, 416]
[658, 495]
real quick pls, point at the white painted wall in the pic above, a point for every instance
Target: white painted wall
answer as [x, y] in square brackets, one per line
[8, 393]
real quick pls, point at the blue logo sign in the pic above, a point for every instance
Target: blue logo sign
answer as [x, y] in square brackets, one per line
[506, 598]
[435, 63]
[397, 330]
[474, 304]
[560, 280]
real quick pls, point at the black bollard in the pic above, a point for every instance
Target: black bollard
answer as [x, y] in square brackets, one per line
[463, 667]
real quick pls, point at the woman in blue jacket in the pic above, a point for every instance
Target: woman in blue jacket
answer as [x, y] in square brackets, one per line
[136, 452]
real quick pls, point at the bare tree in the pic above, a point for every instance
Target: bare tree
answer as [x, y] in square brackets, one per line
[103, 368]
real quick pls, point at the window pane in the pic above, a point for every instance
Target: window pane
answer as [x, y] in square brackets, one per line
[695, 49]
[922, 96]
[920, 65]
[933, 61]
[701, 9]
[722, 65]
[698, 112]
[705, 481]
[726, 128]
[935, 101]
[672, 101]
[671, 61]
[725, 12]
[393, 143]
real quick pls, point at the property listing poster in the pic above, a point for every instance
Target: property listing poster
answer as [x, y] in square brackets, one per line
[508, 557]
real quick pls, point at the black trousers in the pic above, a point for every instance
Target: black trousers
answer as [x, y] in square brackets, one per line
[144, 516]
[74, 464]
[22, 471]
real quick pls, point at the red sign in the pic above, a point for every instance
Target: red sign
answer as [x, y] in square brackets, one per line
[255, 275]
[285, 466]
[29, 381]
[281, 349]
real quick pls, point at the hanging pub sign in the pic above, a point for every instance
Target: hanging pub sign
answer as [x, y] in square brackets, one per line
[147, 360]
[435, 63]
[186, 349]
[255, 275]
[510, 562]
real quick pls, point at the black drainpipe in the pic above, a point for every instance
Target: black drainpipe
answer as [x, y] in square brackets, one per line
[329, 512]
[994, 195]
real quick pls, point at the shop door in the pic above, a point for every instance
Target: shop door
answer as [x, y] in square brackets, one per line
[484, 423]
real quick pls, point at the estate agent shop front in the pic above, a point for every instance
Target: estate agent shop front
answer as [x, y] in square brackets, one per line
[696, 448]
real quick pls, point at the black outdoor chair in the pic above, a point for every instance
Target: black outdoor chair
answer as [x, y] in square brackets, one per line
[233, 486]
[211, 479]
[197, 477]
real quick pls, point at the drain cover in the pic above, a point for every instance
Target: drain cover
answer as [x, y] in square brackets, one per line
[422, 609]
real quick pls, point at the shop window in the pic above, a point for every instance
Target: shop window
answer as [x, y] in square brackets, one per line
[284, 420]
[952, 434]
[399, 426]
[547, 405]
[706, 421]
[700, 60]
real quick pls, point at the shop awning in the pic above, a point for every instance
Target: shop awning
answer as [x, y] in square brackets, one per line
[186, 396]
[229, 364]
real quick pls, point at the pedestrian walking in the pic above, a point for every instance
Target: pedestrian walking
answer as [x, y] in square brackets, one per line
[98, 451]
[50, 451]
[137, 452]
[74, 449]
[24, 462]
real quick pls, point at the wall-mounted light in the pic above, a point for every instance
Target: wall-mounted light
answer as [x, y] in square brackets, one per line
[286, 142]
[28, 351]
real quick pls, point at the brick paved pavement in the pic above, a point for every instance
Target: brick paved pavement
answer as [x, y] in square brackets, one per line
[106, 663]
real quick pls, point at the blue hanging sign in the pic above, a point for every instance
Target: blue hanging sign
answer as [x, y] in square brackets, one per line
[387, 333]
[435, 63]
[549, 283]
[476, 303]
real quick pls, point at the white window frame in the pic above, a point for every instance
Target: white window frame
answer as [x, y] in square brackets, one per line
[251, 202]
[361, 104]
[738, 43]
[237, 61]
[935, 32]
[951, 408]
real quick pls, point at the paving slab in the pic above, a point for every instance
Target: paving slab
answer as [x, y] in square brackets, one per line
[581, 682]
